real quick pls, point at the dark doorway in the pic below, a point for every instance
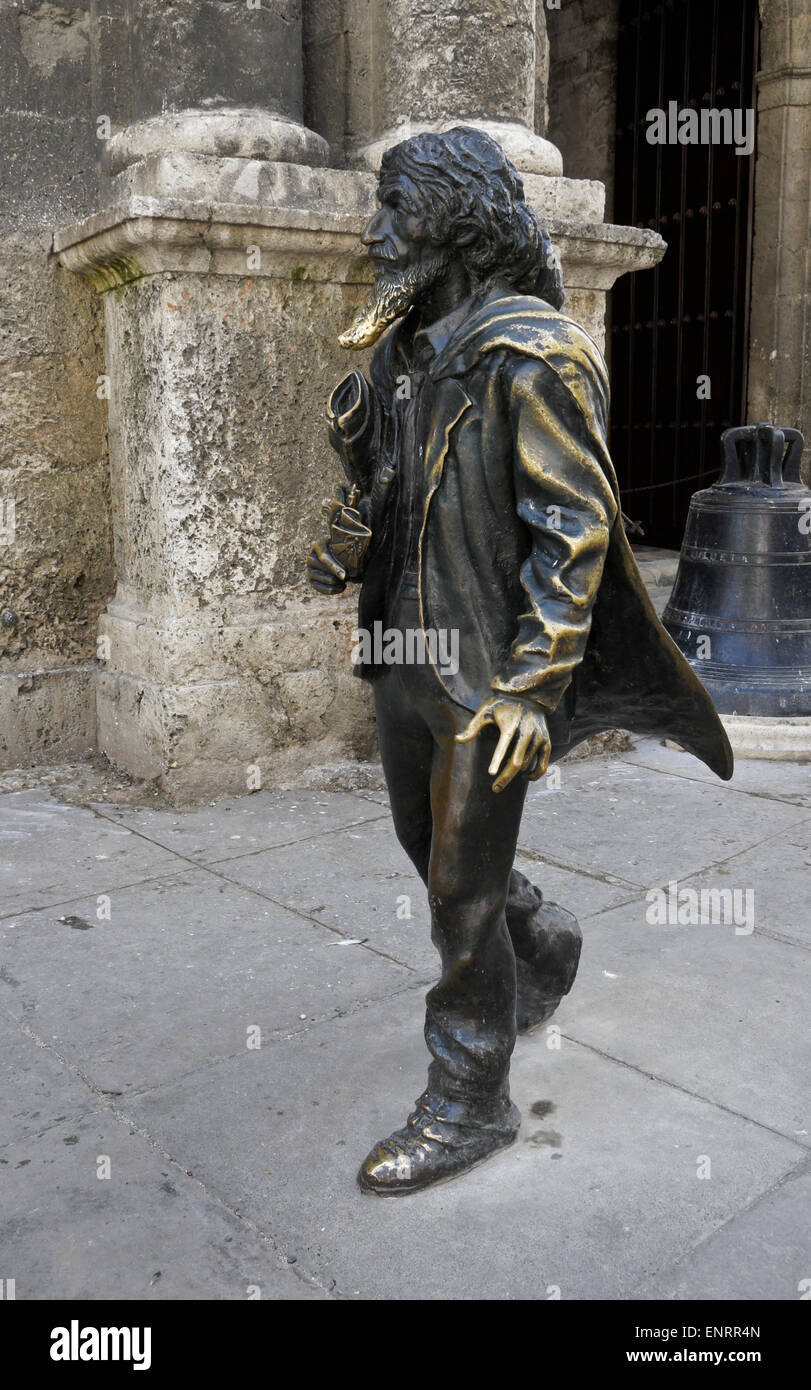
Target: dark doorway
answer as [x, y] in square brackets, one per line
[688, 318]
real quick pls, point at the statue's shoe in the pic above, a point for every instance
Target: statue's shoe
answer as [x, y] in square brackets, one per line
[430, 1149]
[532, 1006]
[547, 953]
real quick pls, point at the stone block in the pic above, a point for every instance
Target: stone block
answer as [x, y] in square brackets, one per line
[46, 716]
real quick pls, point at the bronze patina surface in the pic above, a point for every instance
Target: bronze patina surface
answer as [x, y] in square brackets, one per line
[483, 503]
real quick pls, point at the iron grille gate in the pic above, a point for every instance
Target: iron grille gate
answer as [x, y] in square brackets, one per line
[688, 317]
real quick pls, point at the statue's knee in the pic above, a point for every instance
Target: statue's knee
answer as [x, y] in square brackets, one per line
[453, 896]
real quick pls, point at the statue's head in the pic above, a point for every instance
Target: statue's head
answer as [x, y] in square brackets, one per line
[450, 200]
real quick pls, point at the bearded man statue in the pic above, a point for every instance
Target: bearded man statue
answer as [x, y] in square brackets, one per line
[483, 503]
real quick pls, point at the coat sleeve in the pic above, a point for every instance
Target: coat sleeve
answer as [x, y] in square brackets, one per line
[353, 425]
[564, 498]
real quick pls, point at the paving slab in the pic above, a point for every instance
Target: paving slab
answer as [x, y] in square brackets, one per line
[38, 1093]
[776, 779]
[720, 1014]
[601, 1191]
[361, 882]
[581, 893]
[778, 874]
[148, 1231]
[181, 970]
[127, 1035]
[241, 825]
[767, 1247]
[623, 819]
[356, 881]
[50, 852]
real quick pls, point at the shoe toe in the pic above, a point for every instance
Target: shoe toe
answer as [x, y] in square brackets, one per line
[387, 1166]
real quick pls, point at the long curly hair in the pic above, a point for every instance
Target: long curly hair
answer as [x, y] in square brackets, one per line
[463, 180]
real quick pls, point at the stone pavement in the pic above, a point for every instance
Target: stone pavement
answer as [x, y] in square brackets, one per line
[664, 1146]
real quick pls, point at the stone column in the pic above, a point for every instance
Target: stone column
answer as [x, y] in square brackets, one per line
[469, 62]
[218, 77]
[780, 325]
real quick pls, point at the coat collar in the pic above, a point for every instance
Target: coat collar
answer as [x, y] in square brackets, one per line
[451, 330]
[520, 322]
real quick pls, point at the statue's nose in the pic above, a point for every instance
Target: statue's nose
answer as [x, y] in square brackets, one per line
[373, 231]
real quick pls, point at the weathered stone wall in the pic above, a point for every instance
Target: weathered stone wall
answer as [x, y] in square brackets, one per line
[56, 568]
[220, 659]
[582, 91]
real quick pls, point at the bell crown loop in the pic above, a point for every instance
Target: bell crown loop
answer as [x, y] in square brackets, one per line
[761, 456]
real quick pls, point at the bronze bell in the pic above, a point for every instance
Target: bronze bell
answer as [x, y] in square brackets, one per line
[740, 609]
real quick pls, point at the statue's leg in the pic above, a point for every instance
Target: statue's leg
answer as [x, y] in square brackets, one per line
[546, 940]
[465, 1114]
[406, 752]
[470, 1025]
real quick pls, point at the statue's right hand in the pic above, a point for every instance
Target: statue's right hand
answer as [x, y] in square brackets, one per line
[324, 572]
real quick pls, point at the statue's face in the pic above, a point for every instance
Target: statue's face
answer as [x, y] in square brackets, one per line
[396, 235]
[407, 261]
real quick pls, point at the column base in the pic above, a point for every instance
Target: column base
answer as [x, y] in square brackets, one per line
[241, 132]
[780, 739]
[206, 707]
[530, 153]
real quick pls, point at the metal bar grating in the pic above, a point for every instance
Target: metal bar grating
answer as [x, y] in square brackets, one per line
[688, 318]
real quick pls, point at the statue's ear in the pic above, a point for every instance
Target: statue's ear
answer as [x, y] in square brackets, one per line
[464, 233]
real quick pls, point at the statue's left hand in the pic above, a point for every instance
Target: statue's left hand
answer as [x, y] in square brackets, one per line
[523, 730]
[326, 574]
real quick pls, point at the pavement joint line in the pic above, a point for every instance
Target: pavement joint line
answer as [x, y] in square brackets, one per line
[768, 935]
[285, 844]
[307, 917]
[291, 844]
[686, 1091]
[747, 849]
[791, 1175]
[638, 899]
[612, 880]
[631, 761]
[767, 932]
[694, 873]
[164, 878]
[368, 795]
[82, 897]
[279, 1035]
[784, 940]
[308, 1277]
[257, 892]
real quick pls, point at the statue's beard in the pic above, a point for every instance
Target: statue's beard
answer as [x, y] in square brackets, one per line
[392, 295]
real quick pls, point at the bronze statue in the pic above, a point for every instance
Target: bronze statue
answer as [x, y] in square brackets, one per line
[482, 501]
